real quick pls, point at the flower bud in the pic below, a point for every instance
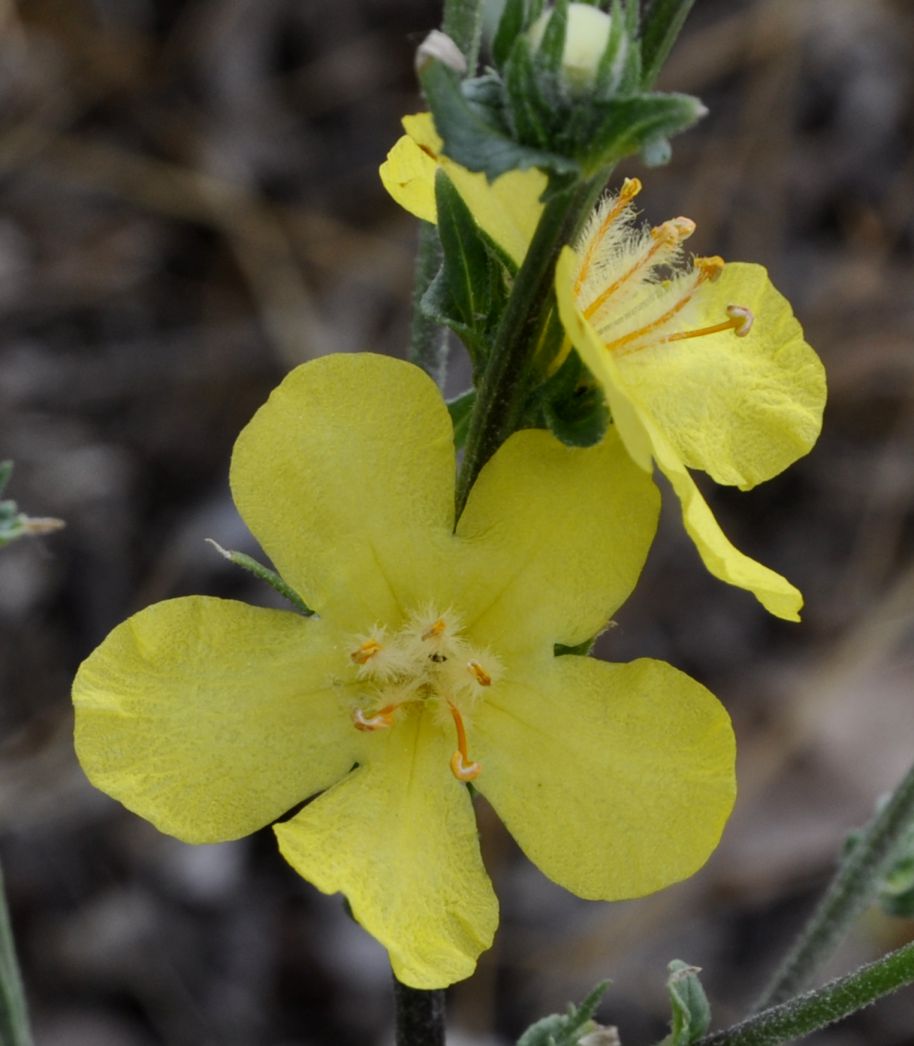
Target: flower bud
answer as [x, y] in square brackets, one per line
[586, 37]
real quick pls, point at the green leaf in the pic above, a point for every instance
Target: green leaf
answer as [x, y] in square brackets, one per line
[461, 410]
[467, 266]
[691, 1012]
[662, 24]
[477, 141]
[246, 562]
[622, 125]
[565, 1029]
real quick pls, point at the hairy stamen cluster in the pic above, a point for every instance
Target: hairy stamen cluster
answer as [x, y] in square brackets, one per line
[426, 660]
[635, 284]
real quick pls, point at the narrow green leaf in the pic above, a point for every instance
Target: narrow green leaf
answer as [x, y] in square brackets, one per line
[467, 266]
[511, 24]
[273, 579]
[567, 1029]
[691, 1012]
[612, 61]
[551, 50]
[526, 104]
[14, 1021]
[663, 21]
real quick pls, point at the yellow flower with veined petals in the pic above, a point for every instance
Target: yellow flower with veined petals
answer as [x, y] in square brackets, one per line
[432, 663]
[703, 364]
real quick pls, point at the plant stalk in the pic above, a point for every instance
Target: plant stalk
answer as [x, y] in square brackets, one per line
[817, 1009]
[419, 1016]
[855, 884]
[14, 1021]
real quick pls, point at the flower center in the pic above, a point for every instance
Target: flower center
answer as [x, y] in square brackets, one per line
[634, 284]
[427, 660]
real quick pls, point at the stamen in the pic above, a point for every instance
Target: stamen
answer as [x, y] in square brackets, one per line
[669, 234]
[705, 269]
[740, 322]
[436, 629]
[630, 189]
[481, 675]
[379, 721]
[462, 767]
[366, 651]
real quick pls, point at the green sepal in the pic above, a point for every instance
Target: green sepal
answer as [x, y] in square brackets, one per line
[570, 405]
[663, 21]
[622, 126]
[512, 23]
[612, 65]
[461, 409]
[475, 136]
[529, 107]
[566, 1029]
[263, 573]
[691, 1014]
[551, 50]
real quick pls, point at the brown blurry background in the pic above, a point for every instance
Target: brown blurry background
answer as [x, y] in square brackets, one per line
[189, 206]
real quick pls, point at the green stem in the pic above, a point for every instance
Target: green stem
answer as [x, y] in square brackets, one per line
[817, 1009]
[463, 24]
[419, 1016]
[854, 886]
[14, 1021]
[427, 340]
[505, 382]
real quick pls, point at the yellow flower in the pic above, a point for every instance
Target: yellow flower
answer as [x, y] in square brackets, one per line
[431, 664]
[703, 364]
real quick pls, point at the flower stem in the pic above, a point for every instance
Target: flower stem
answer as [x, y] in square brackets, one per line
[419, 1016]
[14, 1022]
[855, 884]
[817, 1009]
[505, 383]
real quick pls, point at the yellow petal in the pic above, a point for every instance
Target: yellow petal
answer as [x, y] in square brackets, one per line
[557, 537]
[341, 475]
[211, 718]
[601, 363]
[723, 560]
[741, 409]
[398, 838]
[616, 780]
[507, 209]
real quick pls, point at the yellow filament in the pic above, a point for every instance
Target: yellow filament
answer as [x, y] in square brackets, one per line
[666, 235]
[366, 651]
[707, 269]
[740, 322]
[630, 189]
[462, 767]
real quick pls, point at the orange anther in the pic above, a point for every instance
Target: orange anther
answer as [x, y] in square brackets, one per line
[436, 629]
[740, 322]
[463, 770]
[482, 676]
[630, 189]
[379, 721]
[366, 651]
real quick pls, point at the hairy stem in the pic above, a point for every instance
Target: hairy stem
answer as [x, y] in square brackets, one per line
[817, 1009]
[854, 886]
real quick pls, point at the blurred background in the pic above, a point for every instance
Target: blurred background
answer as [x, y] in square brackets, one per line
[189, 206]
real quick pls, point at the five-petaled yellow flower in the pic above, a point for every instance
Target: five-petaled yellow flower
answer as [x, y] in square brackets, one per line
[431, 664]
[703, 364]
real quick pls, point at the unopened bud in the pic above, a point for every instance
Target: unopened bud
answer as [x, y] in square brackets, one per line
[586, 37]
[439, 47]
